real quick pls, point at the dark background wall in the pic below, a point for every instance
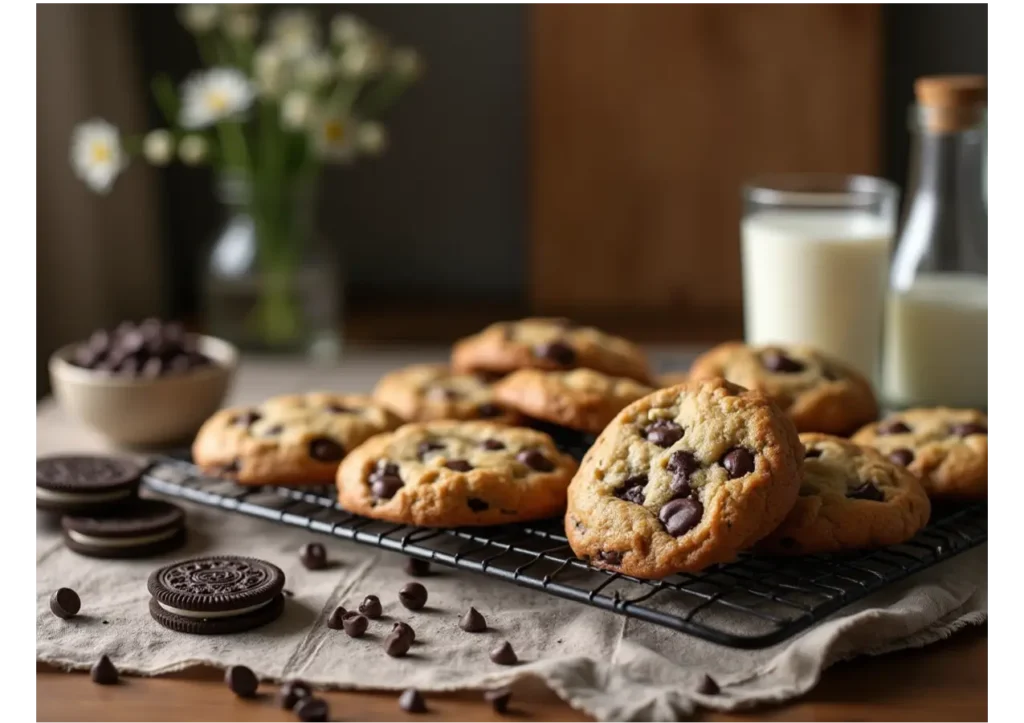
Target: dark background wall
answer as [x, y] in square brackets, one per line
[444, 213]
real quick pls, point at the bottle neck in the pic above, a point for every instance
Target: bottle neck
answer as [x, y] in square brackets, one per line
[945, 226]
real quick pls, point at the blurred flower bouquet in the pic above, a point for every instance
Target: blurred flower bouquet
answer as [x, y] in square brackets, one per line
[273, 105]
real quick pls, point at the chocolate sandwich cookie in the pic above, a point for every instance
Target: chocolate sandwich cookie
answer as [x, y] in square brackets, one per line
[84, 483]
[139, 528]
[216, 595]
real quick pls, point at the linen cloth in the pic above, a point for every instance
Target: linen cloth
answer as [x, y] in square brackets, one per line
[610, 666]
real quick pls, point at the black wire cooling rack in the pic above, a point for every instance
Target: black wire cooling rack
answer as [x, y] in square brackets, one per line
[751, 603]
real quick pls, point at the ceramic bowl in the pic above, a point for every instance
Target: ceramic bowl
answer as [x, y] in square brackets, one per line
[145, 412]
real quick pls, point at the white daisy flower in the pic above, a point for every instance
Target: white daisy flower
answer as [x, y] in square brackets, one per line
[296, 109]
[270, 70]
[96, 154]
[347, 29]
[199, 18]
[360, 60]
[241, 22]
[334, 138]
[295, 32]
[158, 147]
[210, 97]
[314, 70]
[407, 62]
[371, 138]
[193, 150]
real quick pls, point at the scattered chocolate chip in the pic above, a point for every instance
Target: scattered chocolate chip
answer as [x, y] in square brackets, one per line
[498, 699]
[370, 607]
[291, 692]
[103, 672]
[336, 621]
[397, 644]
[965, 430]
[663, 432]
[812, 453]
[313, 556]
[492, 444]
[242, 681]
[901, 456]
[411, 701]
[458, 465]
[473, 621]
[557, 351]
[708, 686]
[632, 489]
[413, 595]
[866, 491]
[476, 504]
[681, 515]
[355, 624]
[247, 418]
[422, 450]
[504, 654]
[610, 557]
[535, 460]
[892, 426]
[416, 567]
[65, 603]
[311, 708]
[326, 450]
[400, 628]
[738, 462]
[489, 411]
[776, 361]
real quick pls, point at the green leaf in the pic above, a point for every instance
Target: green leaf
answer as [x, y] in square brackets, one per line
[166, 98]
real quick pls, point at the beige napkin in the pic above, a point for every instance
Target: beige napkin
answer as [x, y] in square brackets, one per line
[610, 666]
[613, 667]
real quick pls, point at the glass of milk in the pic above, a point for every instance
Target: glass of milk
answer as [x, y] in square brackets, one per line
[815, 250]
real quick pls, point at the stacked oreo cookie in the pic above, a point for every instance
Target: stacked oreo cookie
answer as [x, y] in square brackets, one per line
[101, 514]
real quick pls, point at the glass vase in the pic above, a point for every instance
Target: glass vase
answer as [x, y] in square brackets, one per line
[272, 284]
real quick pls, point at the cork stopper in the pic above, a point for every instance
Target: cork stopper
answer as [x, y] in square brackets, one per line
[951, 103]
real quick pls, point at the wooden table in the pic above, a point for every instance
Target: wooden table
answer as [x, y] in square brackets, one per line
[944, 681]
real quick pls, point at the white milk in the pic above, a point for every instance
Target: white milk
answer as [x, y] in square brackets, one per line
[936, 342]
[817, 277]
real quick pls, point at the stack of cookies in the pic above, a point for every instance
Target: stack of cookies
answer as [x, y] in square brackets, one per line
[747, 449]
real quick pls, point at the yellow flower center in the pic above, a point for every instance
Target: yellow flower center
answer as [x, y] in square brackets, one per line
[217, 101]
[100, 152]
[334, 131]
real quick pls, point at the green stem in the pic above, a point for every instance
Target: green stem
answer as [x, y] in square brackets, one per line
[233, 144]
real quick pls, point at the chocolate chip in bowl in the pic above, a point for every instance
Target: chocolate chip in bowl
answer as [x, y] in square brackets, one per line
[150, 384]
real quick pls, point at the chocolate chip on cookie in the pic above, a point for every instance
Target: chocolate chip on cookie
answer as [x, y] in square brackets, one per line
[559, 352]
[482, 473]
[663, 433]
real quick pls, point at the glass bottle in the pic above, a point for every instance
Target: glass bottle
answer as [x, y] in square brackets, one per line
[936, 331]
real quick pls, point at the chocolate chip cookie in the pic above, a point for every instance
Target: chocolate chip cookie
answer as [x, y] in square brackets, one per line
[684, 478]
[289, 440]
[423, 392]
[553, 344]
[851, 497]
[946, 448]
[449, 474]
[580, 399]
[818, 392]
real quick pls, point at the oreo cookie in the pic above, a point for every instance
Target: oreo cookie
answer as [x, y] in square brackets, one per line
[84, 483]
[139, 528]
[216, 595]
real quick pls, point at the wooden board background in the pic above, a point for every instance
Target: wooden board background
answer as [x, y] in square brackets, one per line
[644, 122]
